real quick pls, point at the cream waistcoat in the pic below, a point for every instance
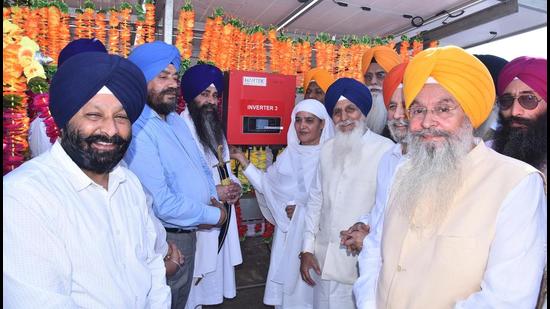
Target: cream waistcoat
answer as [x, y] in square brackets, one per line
[438, 269]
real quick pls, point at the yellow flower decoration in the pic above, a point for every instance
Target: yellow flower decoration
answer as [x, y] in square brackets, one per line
[35, 69]
[8, 27]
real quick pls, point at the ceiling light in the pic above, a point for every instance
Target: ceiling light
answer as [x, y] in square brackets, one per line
[417, 21]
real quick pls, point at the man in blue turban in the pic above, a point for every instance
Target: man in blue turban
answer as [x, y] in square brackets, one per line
[39, 141]
[343, 191]
[76, 214]
[166, 159]
[218, 249]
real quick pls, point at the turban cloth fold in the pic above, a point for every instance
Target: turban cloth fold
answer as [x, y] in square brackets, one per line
[321, 76]
[460, 73]
[392, 81]
[494, 64]
[531, 71]
[80, 46]
[386, 57]
[352, 90]
[154, 57]
[83, 75]
[197, 78]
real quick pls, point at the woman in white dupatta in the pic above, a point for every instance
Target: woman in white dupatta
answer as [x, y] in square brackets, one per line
[282, 193]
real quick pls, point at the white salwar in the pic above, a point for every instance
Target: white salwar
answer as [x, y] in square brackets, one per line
[285, 183]
[217, 270]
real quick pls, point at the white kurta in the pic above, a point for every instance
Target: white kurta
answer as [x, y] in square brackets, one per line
[39, 141]
[338, 197]
[70, 243]
[217, 270]
[287, 182]
[522, 218]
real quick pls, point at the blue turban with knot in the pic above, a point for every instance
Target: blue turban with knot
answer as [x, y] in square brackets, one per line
[197, 78]
[83, 75]
[80, 46]
[154, 57]
[352, 90]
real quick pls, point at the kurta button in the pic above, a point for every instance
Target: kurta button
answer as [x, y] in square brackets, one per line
[399, 268]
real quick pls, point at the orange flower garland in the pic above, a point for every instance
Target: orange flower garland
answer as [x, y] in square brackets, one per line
[206, 39]
[184, 37]
[404, 48]
[149, 21]
[54, 23]
[125, 34]
[434, 44]
[417, 46]
[113, 32]
[101, 25]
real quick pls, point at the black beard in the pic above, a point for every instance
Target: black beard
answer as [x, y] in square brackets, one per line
[527, 145]
[208, 125]
[163, 108]
[79, 149]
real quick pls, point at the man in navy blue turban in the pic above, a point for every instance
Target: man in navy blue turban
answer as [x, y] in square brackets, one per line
[78, 82]
[165, 157]
[80, 234]
[494, 64]
[39, 141]
[80, 46]
[202, 86]
[343, 191]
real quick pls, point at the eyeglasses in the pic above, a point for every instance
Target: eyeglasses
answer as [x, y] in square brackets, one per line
[527, 101]
[441, 112]
[379, 76]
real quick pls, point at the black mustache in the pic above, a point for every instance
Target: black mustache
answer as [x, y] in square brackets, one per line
[172, 91]
[520, 120]
[115, 139]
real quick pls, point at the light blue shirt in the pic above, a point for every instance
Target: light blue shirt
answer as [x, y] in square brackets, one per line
[165, 157]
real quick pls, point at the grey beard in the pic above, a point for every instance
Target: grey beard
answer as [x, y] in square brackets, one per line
[426, 185]
[397, 135]
[376, 119]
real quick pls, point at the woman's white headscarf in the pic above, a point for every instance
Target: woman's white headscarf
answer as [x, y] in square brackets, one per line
[289, 178]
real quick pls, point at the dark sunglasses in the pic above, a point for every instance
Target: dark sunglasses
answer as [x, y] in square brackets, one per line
[527, 101]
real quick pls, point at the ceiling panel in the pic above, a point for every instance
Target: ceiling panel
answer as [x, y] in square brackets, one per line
[384, 18]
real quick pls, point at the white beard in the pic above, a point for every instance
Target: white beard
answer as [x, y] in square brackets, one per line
[427, 183]
[376, 119]
[347, 145]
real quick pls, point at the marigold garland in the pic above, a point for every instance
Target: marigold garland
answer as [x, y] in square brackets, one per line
[149, 21]
[125, 34]
[19, 67]
[113, 32]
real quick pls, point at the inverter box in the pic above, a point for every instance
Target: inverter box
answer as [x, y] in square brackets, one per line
[257, 107]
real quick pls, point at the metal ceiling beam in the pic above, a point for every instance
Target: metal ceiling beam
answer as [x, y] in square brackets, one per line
[478, 18]
[299, 11]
